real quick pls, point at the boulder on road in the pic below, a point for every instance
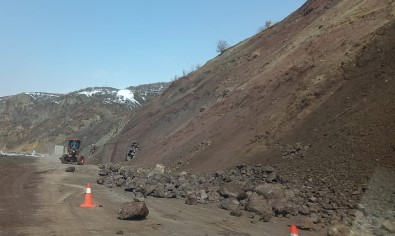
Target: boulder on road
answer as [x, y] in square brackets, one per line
[70, 169]
[133, 211]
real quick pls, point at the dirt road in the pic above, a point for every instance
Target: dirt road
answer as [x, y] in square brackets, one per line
[18, 184]
[54, 209]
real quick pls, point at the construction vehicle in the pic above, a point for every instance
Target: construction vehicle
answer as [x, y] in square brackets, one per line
[72, 154]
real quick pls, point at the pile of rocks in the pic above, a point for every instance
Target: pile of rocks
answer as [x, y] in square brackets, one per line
[255, 191]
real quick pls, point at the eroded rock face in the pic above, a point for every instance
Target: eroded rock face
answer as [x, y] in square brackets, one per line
[133, 211]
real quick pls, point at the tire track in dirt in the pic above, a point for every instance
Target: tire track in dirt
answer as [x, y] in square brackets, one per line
[3, 194]
[70, 211]
[17, 194]
[19, 199]
[60, 202]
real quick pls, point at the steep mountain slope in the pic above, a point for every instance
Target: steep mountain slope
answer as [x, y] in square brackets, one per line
[316, 87]
[37, 121]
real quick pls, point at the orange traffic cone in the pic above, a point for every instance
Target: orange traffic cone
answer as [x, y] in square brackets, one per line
[294, 231]
[88, 198]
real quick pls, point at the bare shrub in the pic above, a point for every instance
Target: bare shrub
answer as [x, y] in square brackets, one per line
[222, 45]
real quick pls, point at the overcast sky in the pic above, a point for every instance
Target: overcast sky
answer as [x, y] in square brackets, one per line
[65, 45]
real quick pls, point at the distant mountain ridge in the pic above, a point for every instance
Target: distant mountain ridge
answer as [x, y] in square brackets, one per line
[133, 96]
[38, 120]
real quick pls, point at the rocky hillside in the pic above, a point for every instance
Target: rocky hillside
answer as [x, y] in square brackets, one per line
[296, 121]
[310, 94]
[37, 121]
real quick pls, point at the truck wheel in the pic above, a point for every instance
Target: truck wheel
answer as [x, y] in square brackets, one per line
[64, 159]
[80, 160]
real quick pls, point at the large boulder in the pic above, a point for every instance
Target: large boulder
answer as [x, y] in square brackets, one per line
[191, 199]
[259, 205]
[230, 204]
[271, 191]
[201, 195]
[133, 211]
[290, 208]
[70, 169]
[232, 190]
[213, 196]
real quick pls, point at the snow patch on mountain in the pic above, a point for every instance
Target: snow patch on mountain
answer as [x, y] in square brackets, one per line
[43, 96]
[40, 94]
[124, 95]
[116, 96]
[91, 92]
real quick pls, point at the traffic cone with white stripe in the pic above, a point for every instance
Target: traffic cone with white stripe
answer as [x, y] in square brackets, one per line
[294, 231]
[88, 203]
